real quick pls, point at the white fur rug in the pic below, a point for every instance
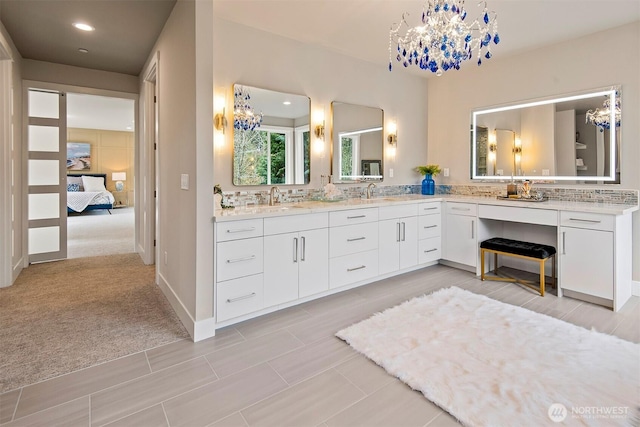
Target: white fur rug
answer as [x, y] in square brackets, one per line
[493, 364]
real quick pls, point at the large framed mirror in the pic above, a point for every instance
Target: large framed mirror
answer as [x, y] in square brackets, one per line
[357, 143]
[568, 138]
[271, 139]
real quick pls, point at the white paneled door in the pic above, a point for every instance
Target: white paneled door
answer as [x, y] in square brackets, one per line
[47, 201]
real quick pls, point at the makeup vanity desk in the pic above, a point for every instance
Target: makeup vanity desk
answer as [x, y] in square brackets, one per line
[271, 257]
[593, 241]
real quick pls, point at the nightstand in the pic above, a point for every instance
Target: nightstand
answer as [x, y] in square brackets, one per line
[121, 199]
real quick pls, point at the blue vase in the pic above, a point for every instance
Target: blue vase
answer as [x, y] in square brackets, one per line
[428, 185]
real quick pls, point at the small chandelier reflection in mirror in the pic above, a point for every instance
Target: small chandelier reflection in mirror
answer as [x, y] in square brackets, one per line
[244, 117]
[601, 117]
[445, 38]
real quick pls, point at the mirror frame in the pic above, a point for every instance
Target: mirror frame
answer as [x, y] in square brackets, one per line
[380, 162]
[293, 129]
[613, 131]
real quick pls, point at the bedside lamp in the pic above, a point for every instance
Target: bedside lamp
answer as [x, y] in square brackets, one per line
[118, 177]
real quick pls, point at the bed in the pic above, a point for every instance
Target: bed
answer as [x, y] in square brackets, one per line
[87, 192]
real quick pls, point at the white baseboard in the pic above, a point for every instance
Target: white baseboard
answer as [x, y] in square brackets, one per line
[635, 288]
[199, 330]
[17, 269]
[204, 329]
[176, 304]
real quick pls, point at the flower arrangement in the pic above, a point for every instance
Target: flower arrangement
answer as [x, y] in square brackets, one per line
[432, 170]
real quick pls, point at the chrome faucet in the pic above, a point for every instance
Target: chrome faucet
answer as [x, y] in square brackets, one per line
[371, 185]
[272, 195]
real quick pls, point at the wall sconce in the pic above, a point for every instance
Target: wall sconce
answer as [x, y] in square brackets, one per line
[219, 108]
[517, 156]
[220, 121]
[319, 129]
[392, 137]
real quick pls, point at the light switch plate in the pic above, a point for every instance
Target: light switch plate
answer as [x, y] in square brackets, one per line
[184, 181]
[391, 173]
[446, 171]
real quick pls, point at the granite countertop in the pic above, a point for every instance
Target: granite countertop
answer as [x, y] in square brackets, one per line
[265, 211]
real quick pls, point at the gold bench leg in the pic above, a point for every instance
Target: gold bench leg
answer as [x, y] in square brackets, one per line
[553, 273]
[542, 278]
[482, 264]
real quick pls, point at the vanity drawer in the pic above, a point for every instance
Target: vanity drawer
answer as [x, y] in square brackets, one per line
[429, 208]
[458, 208]
[429, 250]
[591, 221]
[352, 239]
[353, 216]
[294, 223]
[239, 258]
[352, 268]
[239, 297]
[233, 230]
[518, 214]
[397, 211]
[429, 226]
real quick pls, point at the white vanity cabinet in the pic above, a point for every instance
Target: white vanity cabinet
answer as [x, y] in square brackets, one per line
[461, 243]
[397, 237]
[595, 257]
[296, 257]
[353, 246]
[429, 232]
[239, 279]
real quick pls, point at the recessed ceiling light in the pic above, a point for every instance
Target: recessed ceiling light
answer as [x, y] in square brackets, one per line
[287, 102]
[83, 27]
[83, 50]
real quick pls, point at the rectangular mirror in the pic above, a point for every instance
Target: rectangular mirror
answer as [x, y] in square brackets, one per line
[357, 143]
[271, 140]
[568, 138]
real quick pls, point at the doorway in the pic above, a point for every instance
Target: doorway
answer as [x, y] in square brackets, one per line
[95, 144]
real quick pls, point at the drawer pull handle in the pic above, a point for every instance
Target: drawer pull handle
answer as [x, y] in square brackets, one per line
[404, 231]
[356, 239]
[295, 249]
[460, 209]
[356, 216]
[430, 226]
[357, 268]
[429, 209]
[251, 295]
[246, 258]
[564, 243]
[304, 248]
[397, 232]
[473, 226]
[591, 221]
[431, 250]
[240, 230]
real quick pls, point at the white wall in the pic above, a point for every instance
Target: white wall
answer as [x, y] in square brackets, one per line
[185, 146]
[256, 58]
[595, 61]
[11, 163]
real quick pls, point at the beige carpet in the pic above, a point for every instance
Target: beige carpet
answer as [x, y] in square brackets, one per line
[63, 316]
[96, 233]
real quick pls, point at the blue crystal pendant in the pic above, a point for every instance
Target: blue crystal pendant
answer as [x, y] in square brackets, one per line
[428, 185]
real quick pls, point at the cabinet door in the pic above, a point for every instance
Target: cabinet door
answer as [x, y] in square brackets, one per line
[313, 266]
[408, 242]
[460, 240]
[587, 261]
[388, 246]
[281, 261]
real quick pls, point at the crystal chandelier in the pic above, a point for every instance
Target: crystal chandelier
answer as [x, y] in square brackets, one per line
[243, 116]
[444, 39]
[601, 117]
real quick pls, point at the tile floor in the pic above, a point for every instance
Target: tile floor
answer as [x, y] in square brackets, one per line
[283, 369]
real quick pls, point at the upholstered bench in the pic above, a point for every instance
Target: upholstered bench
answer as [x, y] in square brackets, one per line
[519, 249]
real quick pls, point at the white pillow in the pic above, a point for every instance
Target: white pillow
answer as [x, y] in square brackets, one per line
[93, 183]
